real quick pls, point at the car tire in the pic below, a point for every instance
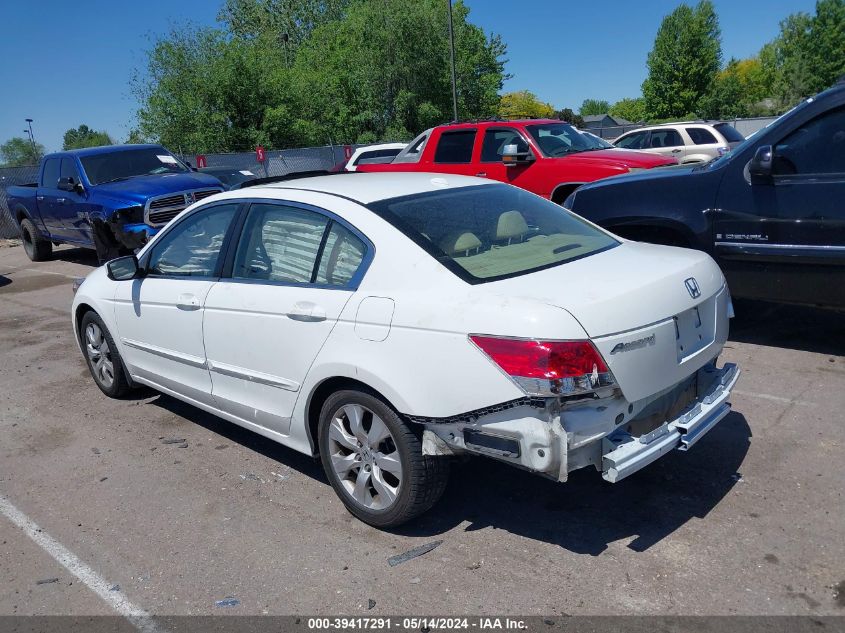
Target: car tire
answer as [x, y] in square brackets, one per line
[101, 355]
[34, 245]
[399, 482]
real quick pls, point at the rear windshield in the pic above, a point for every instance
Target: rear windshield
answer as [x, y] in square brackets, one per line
[491, 232]
[729, 132]
[123, 164]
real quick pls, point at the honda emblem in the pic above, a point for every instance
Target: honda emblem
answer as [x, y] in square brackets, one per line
[692, 288]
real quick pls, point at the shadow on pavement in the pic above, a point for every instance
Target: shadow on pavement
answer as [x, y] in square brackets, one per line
[794, 327]
[582, 515]
[84, 256]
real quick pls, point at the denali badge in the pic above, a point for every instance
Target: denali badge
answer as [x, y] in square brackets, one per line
[692, 288]
[627, 347]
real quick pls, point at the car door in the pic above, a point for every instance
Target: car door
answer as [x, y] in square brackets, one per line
[493, 142]
[285, 284]
[667, 142]
[785, 239]
[453, 154]
[48, 195]
[159, 315]
[73, 207]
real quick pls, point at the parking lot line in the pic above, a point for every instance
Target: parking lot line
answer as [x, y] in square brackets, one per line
[137, 616]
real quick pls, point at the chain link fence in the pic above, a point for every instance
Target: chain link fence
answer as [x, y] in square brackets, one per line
[277, 163]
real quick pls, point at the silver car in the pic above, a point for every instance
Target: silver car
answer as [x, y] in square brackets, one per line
[689, 142]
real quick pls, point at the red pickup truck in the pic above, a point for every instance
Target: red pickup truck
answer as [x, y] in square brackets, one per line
[547, 157]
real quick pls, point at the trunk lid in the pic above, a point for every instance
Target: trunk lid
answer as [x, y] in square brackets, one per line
[650, 323]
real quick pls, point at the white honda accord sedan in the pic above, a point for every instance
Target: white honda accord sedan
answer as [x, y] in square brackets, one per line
[386, 322]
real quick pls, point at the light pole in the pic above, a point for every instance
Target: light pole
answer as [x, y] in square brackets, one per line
[452, 58]
[31, 135]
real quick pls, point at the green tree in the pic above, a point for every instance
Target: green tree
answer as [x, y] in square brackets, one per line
[18, 151]
[684, 61]
[568, 115]
[83, 136]
[135, 137]
[629, 109]
[349, 71]
[524, 104]
[594, 106]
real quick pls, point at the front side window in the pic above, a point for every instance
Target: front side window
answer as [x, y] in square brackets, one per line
[192, 248]
[69, 170]
[490, 232]
[665, 138]
[494, 143]
[701, 136]
[123, 164]
[559, 139]
[455, 147]
[632, 141]
[817, 147]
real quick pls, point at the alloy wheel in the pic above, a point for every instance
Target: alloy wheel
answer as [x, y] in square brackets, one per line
[364, 457]
[99, 355]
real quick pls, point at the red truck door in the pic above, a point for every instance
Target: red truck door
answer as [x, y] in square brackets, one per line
[453, 152]
[490, 165]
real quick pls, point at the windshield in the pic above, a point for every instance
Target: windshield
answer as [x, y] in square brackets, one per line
[491, 232]
[119, 165]
[560, 139]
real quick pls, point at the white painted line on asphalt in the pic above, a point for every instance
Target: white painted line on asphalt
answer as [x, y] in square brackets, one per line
[51, 272]
[765, 396]
[139, 618]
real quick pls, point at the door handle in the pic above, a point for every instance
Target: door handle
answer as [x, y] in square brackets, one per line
[187, 301]
[61, 200]
[307, 312]
[676, 151]
[39, 198]
[482, 174]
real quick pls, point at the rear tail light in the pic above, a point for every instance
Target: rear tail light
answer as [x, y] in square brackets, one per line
[548, 368]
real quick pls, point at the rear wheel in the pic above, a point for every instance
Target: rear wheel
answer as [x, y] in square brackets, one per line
[102, 357]
[374, 461]
[36, 247]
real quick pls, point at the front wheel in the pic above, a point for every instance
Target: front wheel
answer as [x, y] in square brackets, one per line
[374, 461]
[102, 356]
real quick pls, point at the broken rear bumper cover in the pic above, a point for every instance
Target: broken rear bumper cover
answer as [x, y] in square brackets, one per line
[615, 436]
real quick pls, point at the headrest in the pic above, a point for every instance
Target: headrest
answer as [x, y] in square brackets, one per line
[460, 243]
[511, 224]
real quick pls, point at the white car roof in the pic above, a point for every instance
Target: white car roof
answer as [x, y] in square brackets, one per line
[370, 187]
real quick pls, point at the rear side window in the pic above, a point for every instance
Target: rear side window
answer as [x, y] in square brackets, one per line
[279, 243]
[700, 136]
[455, 147]
[731, 134]
[633, 141]
[52, 169]
[665, 138]
[341, 258]
[491, 232]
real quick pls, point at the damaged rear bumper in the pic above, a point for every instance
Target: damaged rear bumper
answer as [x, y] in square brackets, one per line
[623, 455]
[615, 436]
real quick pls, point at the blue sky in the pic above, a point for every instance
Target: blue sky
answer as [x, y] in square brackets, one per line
[63, 65]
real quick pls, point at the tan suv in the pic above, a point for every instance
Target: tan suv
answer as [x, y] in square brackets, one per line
[688, 142]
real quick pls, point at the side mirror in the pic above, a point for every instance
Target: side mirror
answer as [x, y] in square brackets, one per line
[123, 268]
[66, 184]
[760, 167]
[512, 156]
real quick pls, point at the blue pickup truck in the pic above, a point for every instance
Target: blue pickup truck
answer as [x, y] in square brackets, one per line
[111, 199]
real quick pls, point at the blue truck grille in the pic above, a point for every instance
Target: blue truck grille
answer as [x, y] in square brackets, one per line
[162, 210]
